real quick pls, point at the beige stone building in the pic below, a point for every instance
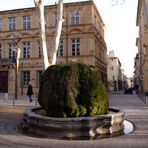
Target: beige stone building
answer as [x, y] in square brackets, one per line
[141, 59]
[82, 40]
[115, 75]
[136, 75]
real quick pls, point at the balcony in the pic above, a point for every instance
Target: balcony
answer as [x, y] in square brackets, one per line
[7, 61]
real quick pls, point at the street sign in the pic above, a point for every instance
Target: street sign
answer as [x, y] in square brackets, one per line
[141, 77]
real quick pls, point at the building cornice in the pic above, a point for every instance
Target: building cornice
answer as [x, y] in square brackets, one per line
[89, 2]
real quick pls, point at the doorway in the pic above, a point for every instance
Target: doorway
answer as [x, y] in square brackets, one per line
[3, 81]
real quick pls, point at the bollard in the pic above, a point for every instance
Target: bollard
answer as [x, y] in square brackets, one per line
[13, 99]
[36, 100]
[6, 97]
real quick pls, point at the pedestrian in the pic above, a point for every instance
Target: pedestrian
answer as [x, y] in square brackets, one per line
[124, 86]
[136, 87]
[30, 92]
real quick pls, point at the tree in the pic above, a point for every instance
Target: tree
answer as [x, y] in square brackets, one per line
[40, 6]
[58, 32]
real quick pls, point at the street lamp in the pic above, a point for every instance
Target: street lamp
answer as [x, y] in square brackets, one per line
[16, 39]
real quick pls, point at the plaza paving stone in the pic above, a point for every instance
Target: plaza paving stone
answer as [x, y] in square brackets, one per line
[135, 111]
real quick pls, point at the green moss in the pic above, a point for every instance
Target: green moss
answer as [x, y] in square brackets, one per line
[72, 90]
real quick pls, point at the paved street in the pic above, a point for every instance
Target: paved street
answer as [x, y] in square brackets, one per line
[136, 112]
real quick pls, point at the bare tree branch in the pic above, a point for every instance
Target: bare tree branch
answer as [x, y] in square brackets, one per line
[58, 32]
[40, 6]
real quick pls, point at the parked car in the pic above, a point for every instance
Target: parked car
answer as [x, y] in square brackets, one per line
[129, 90]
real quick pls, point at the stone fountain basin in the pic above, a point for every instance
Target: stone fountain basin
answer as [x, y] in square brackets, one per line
[38, 124]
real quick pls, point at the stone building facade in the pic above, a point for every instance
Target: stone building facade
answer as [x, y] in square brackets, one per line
[115, 73]
[141, 59]
[82, 40]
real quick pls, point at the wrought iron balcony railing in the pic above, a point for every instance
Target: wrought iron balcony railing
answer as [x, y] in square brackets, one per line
[7, 61]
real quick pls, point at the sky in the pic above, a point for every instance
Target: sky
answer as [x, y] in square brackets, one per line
[121, 31]
[120, 26]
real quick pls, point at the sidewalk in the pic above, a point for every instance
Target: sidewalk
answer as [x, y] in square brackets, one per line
[117, 92]
[23, 100]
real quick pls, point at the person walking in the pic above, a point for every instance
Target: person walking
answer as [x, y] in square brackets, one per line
[30, 92]
[136, 87]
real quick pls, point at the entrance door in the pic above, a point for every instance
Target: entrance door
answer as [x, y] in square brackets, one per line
[3, 81]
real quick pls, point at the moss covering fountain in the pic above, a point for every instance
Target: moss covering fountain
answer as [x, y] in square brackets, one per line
[72, 90]
[74, 103]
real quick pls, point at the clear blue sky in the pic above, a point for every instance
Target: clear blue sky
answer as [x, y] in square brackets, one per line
[120, 26]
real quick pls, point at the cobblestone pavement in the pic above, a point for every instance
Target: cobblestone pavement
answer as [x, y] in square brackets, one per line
[136, 112]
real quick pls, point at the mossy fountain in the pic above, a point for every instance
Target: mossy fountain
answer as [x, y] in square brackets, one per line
[74, 104]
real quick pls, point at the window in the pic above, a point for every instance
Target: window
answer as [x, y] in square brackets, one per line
[56, 18]
[75, 47]
[1, 24]
[111, 68]
[45, 17]
[12, 50]
[12, 23]
[75, 17]
[26, 49]
[39, 75]
[113, 78]
[0, 51]
[60, 50]
[26, 77]
[26, 22]
[39, 48]
[96, 49]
